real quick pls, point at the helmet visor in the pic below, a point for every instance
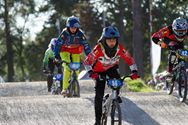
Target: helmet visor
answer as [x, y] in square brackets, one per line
[180, 33]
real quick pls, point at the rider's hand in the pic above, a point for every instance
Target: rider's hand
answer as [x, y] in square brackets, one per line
[44, 71]
[93, 75]
[57, 58]
[163, 45]
[134, 75]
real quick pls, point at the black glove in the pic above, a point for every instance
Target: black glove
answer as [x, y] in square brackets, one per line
[90, 72]
[93, 75]
[57, 57]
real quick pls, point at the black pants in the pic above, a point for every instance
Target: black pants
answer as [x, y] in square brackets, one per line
[52, 64]
[100, 87]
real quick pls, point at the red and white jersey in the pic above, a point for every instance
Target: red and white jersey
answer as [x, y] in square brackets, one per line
[166, 32]
[98, 61]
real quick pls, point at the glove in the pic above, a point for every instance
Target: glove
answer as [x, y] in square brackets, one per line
[57, 58]
[163, 45]
[44, 71]
[93, 75]
[134, 75]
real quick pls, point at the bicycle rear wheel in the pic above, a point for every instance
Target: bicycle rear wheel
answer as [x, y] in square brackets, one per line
[116, 113]
[104, 119]
[182, 85]
[49, 82]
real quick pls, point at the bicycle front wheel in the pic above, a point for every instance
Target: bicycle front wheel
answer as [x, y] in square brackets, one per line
[76, 90]
[104, 119]
[182, 85]
[169, 84]
[116, 114]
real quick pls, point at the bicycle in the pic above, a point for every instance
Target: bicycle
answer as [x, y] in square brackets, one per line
[56, 85]
[111, 103]
[73, 89]
[178, 78]
[49, 79]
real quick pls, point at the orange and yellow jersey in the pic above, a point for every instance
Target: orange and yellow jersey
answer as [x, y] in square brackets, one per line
[72, 43]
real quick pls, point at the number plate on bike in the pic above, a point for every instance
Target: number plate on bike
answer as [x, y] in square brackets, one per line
[183, 52]
[74, 65]
[58, 77]
[115, 83]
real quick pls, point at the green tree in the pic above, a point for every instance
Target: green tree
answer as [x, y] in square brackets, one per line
[14, 34]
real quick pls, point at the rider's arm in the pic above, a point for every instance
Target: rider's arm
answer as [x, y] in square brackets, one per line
[59, 43]
[127, 58]
[158, 37]
[91, 58]
[85, 44]
[45, 59]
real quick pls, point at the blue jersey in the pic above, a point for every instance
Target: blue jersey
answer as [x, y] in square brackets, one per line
[72, 42]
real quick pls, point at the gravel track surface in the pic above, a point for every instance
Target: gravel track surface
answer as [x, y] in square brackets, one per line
[29, 103]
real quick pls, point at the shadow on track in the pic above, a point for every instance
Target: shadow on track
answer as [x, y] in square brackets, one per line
[132, 114]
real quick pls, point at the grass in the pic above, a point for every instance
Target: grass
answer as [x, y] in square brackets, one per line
[138, 86]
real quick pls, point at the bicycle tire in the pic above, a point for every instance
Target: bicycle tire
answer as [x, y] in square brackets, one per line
[169, 86]
[182, 87]
[76, 89]
[70, 90]
[49, 81]
[116, 109]
[104, 119]
[53, 89]
[104, 111]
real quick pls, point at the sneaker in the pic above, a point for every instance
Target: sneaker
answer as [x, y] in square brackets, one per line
[97, 123]
[64, 92]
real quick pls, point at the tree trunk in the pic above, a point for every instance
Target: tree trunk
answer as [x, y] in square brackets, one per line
[137, 36]
[121, 15]
[8, 45]
[22, 58]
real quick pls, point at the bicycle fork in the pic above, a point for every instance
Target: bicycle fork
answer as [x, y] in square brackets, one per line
[107, 105]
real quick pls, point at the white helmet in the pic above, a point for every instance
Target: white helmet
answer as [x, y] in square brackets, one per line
[52, 43]
[179, 27]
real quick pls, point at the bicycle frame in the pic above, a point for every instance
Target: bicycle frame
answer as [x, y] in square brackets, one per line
[108, 102]
[73, 83]
[179, 64]
[179, 72]
[111, 103]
